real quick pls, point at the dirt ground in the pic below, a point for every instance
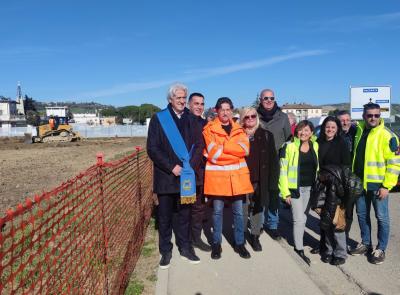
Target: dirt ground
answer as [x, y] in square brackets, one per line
[29, 169]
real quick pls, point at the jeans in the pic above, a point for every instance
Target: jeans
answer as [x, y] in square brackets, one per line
[335, 243]
[237, 212]
[381, 208]
[271, 214]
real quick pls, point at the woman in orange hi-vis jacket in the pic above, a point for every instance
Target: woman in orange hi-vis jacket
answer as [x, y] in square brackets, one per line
[227, 178]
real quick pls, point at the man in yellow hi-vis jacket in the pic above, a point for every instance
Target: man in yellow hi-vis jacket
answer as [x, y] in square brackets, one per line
[377, 162]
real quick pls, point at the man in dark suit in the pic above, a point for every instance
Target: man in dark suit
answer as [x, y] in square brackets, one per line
[196, 107]
[167, 172]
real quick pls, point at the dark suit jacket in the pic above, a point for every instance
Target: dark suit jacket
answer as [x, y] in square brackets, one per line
[163, 156]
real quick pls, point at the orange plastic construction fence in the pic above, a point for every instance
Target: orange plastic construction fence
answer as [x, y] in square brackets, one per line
[83, 237]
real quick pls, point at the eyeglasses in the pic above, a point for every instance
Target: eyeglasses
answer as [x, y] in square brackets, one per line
[251, 116]
[376, 116]
[271, 98]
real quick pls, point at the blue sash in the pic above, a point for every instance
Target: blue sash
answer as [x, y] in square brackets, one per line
[187, 177]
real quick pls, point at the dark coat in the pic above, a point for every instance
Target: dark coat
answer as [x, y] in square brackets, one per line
[200, 171]
[263, 163]
[349, 137]
[163, 156]
[328, 192]
[279, 126]
[333, 152]
[335, 186]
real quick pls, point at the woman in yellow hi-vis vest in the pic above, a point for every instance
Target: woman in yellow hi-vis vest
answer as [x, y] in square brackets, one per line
[299, 166]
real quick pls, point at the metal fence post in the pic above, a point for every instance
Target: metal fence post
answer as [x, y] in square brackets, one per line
[100, 163]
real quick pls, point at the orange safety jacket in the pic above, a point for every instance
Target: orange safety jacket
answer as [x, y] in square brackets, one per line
[52, 123]
[226, 172]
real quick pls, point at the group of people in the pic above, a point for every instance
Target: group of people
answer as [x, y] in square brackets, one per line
[260, 161]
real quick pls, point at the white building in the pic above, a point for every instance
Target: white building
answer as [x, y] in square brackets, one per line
[90, 119]
[9, 115]
[302, 111]
[57, 111]
[127, 121]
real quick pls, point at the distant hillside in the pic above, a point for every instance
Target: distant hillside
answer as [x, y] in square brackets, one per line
[135, 113]
[74, 107]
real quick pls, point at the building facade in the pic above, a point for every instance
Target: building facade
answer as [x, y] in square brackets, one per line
[302, 111]
[9, 113]
[90, 119]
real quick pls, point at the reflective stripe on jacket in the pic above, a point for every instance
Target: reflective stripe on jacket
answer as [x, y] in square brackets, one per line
[382, 164]
[289, 162]
[226, 172]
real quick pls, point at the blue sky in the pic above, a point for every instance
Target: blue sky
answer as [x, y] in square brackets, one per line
[129, 52]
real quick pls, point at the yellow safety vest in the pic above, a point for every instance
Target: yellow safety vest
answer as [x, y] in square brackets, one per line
[289, 162]
[382, 164]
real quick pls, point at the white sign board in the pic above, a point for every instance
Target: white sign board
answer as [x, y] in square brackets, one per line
[359, 96]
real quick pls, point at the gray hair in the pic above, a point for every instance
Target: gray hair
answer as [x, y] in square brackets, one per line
[265, 90]
[174, 88]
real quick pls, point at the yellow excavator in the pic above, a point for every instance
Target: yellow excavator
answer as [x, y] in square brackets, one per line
[48, 133]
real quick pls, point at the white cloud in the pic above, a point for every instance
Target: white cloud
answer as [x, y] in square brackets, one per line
[198, 74]
[358, 22]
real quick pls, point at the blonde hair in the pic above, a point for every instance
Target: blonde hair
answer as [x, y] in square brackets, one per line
[244, 111]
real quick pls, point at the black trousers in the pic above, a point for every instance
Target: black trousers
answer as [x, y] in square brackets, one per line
[198, 213]
[349, 222]
[167, 206]
[349, 219]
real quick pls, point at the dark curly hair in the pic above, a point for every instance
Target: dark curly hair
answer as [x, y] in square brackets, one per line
[322, 135]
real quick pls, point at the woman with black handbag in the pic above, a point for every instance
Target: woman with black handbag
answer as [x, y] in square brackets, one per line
[333, 157]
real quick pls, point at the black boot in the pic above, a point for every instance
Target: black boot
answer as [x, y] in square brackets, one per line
[274, 234]
[216, 251]
[315, 250]
[303, 256]
[242, 251]
[255, 243]
[199, 244]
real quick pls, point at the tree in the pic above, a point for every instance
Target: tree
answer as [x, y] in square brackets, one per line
[31, 114]
[29, 104]
[32, 118]
[109, 112]
[131, 112]
[333, 113]
[147, 110]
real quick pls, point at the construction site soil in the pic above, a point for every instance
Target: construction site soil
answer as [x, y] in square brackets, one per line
[28, 169]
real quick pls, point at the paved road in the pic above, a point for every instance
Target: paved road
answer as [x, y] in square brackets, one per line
[370, 278]
[278, 270]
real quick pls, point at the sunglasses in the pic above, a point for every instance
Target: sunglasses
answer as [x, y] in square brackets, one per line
[376, 116]
[251, 116]
[271, 98]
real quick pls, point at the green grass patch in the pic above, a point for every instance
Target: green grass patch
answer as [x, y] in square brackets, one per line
[152, 277]
[135, 287]
[148, 248]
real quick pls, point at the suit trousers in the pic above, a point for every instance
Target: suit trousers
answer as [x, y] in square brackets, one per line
[198, 214]
[168, 204]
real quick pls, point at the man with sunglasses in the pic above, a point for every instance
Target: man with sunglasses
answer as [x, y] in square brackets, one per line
[377, 162]
[277, 122]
